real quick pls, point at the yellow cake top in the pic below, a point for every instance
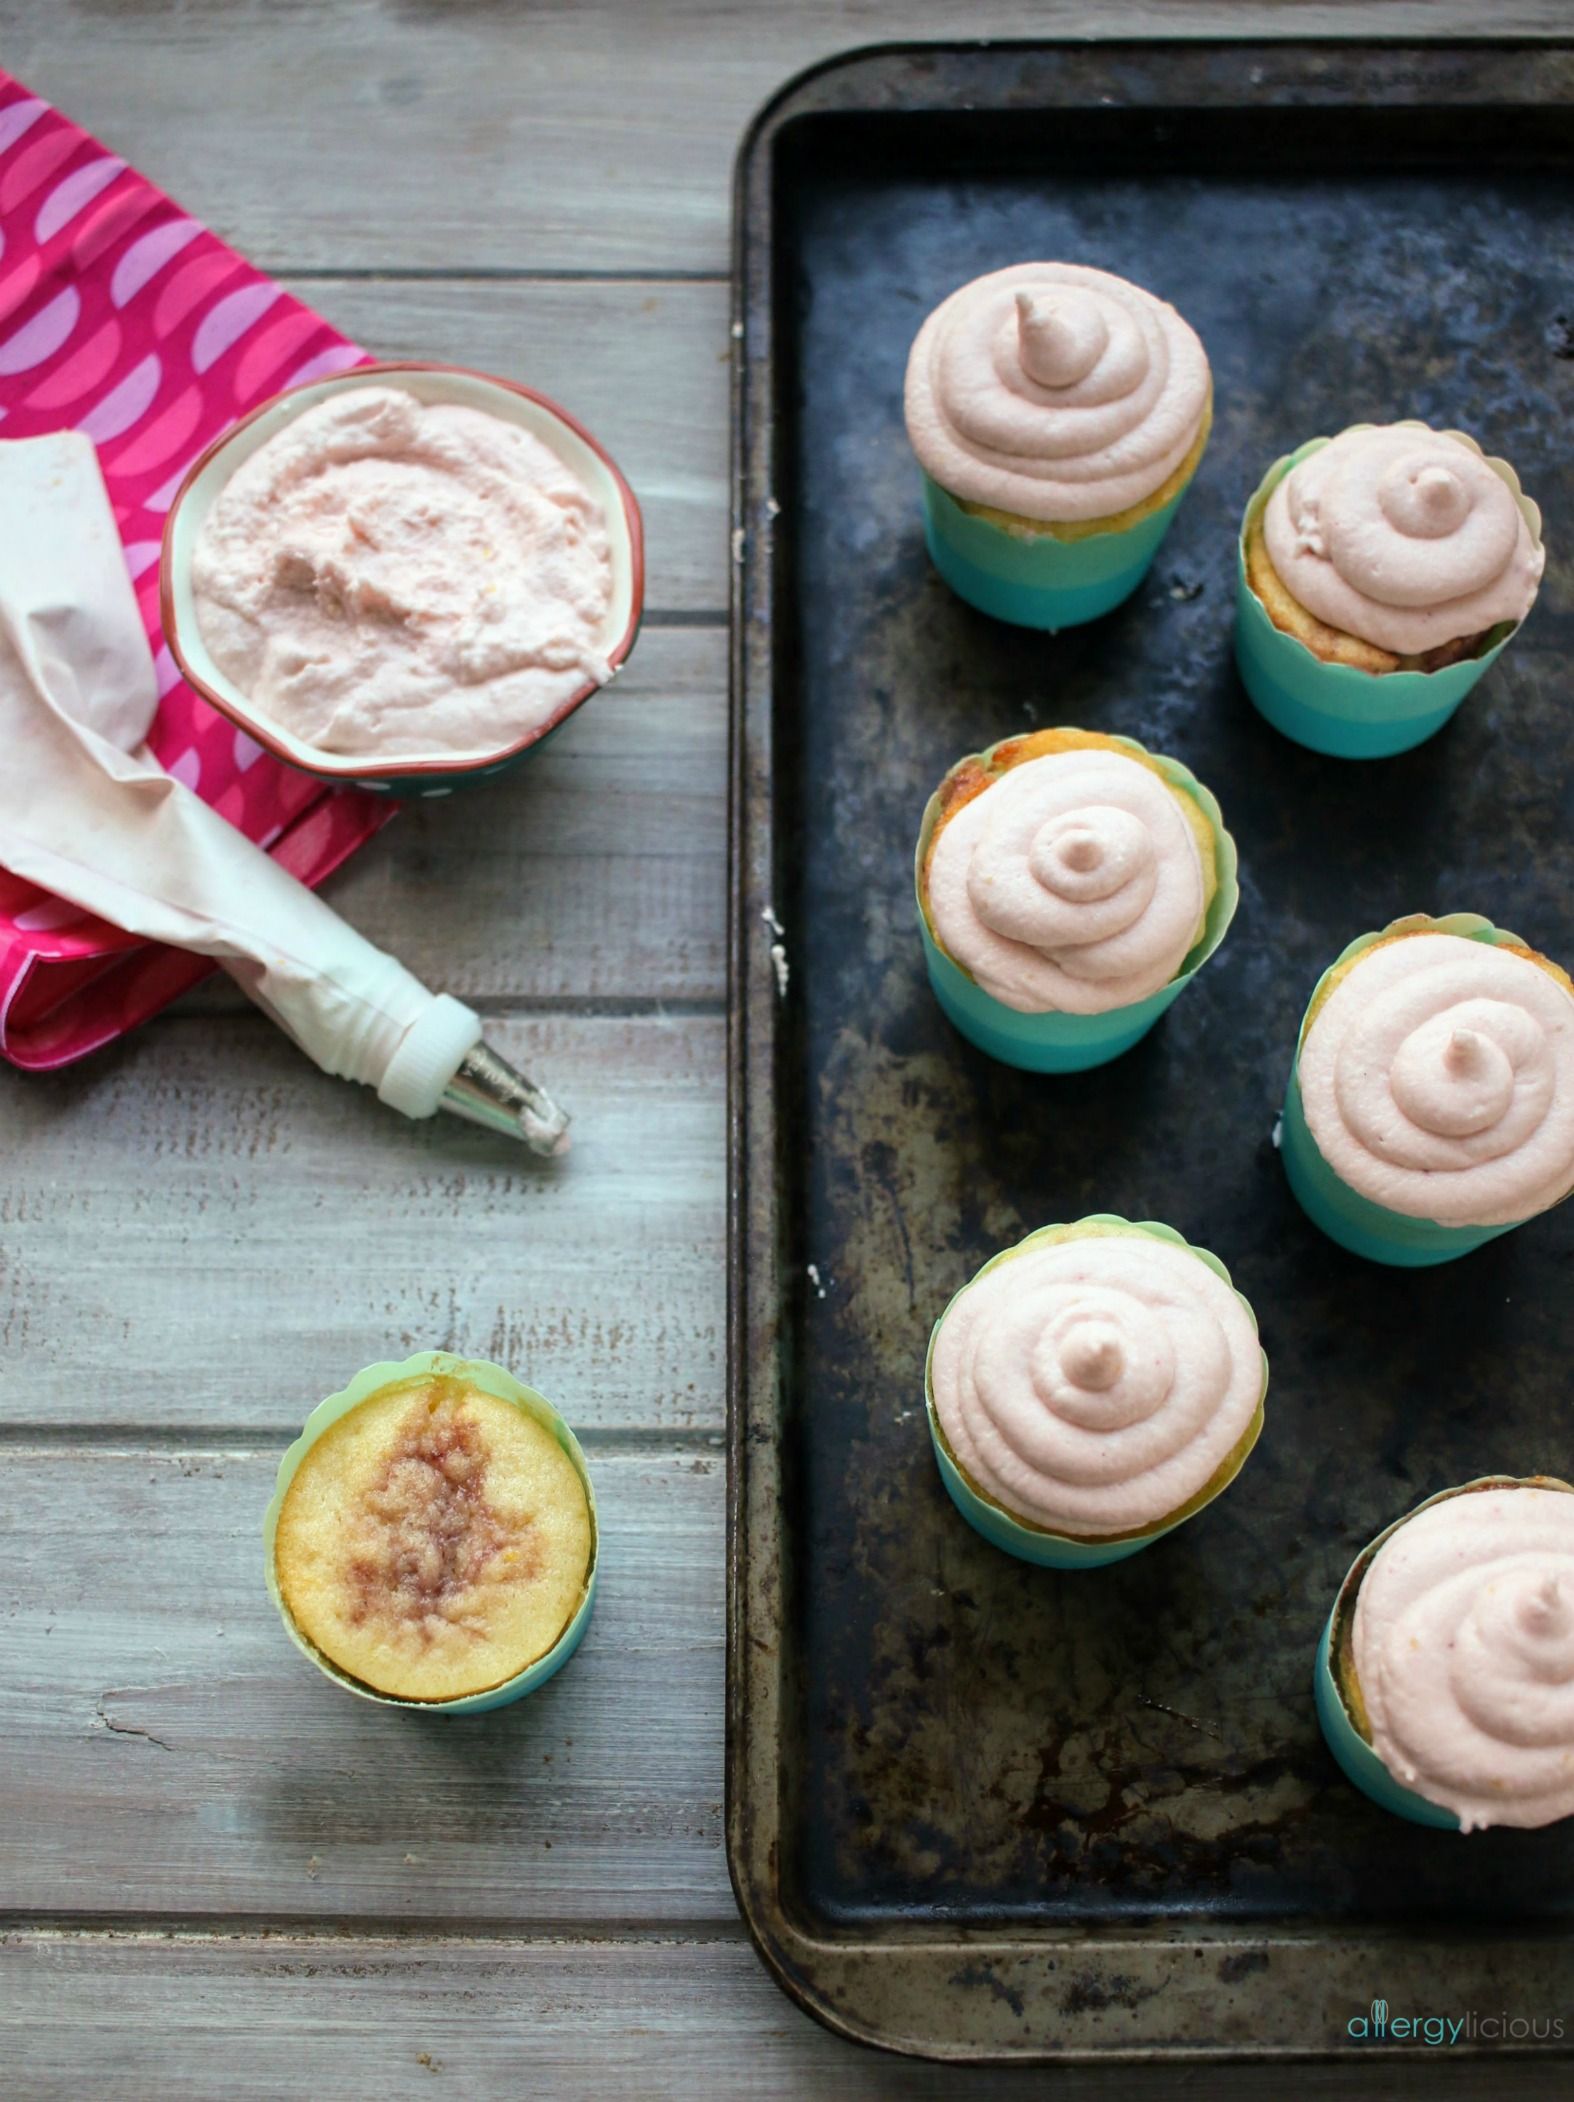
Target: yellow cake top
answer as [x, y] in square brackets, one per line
[435, 1541]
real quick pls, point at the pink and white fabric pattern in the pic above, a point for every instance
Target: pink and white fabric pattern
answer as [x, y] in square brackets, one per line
[122, 317]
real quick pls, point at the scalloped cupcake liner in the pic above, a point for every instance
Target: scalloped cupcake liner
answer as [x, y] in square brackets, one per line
[1064, 1043]
[1337, 709]
[493, 1379]
[1354, 1756]
[1035, 1543]
[1039, 581]
[1356, 1222]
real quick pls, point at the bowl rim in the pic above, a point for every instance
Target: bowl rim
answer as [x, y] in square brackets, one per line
[348, 769]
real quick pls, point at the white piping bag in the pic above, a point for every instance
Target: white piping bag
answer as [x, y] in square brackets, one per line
[88, 813]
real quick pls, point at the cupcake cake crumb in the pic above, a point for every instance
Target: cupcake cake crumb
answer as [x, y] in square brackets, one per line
[434, 1542]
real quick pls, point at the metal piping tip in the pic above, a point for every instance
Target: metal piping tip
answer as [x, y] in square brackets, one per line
[487, 1090]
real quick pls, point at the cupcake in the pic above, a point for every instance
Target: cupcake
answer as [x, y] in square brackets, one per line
[1058, 414]
[432, 1536]
[1431, 1099]
[1091, 1388]
[1445, 1675]
[1381, 572]
[1069, 884]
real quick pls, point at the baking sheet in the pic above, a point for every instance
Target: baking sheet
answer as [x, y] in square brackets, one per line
[977, 1809]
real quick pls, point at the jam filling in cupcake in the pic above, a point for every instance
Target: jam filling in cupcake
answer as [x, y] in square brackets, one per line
[1457, 1663]
[1395, 548]
[434, 1542]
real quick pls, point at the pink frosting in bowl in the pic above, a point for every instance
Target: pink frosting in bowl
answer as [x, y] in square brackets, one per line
[404, 571]
[1055, 392]
[1437, 1077]
[1097, 1378]
[1462, 1646]
[1406, 537]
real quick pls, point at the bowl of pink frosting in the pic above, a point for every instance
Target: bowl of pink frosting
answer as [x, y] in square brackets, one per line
[403, 577]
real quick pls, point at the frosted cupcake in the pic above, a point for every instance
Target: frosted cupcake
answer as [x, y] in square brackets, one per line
[1069, 886]
[1092, 1388]
[1431, 1100]
[1445, 1676]
[1381, 573]
[1058, 414]
[432, 1536]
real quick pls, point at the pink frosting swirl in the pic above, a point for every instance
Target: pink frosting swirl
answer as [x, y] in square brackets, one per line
[1438, 1079]
[1094, 1384]
[1463, 1645]
[1072, 884]
[1406, 537]
[1054, 391]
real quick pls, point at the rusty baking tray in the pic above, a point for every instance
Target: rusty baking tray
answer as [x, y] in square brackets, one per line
[978, 1810]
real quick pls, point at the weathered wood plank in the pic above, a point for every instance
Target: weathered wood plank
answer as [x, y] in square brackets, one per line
[198, 1228]
[594, 137]
[643, 363]
[594, 871]
[169, 1752]
[667, 2021]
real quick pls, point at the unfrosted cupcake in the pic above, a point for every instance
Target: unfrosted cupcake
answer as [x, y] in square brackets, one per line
[1069, 885]
[1381, 572]
[1091, 1388]
[432, 1537]
[1445, 1676]
[1431, 1101]
[1058, 414]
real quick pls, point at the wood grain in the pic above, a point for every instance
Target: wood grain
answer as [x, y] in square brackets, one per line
[170, 1753]
[198, 1229]
[593, 872]
[496, 135]
[661, 2019]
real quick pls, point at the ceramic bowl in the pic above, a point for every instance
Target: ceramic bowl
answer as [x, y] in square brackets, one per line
[408, 774]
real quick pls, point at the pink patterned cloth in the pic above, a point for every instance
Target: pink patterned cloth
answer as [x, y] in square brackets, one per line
[122, 317]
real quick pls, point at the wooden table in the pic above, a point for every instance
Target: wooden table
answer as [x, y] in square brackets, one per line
[219, 1875]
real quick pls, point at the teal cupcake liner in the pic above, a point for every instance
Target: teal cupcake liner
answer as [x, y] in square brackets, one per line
[1356, 1222]
[1356, 1759]
[1037, 580]
[1335, 708]
[1017, 1536]
[1064, 1043]
[492, 1379]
